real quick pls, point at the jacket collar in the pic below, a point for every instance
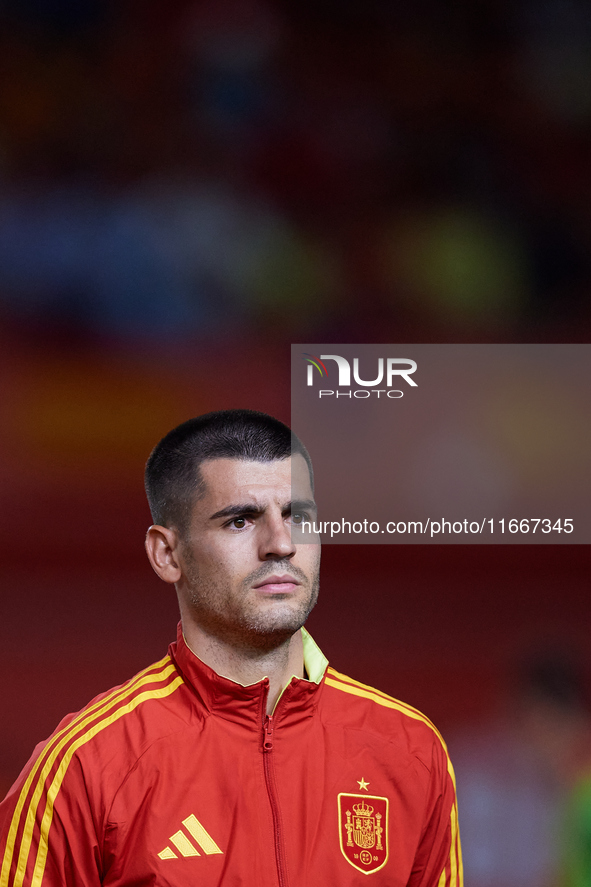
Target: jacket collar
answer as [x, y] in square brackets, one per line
[226, 698]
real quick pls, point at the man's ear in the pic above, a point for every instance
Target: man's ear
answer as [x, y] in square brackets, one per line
[162, 550]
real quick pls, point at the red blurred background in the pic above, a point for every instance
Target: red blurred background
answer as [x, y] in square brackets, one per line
[186, 189]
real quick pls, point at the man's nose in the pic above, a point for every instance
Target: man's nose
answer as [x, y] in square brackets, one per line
[276, 538]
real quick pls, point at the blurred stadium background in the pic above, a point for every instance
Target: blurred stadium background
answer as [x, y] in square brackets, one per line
[185, 189]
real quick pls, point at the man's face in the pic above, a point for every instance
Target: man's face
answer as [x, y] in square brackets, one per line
[244, 580]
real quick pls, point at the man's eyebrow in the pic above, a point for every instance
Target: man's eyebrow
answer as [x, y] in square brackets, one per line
[234, 510]
[251, 508]
[301, 505]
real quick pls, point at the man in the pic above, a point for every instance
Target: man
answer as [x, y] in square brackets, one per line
[239, 758]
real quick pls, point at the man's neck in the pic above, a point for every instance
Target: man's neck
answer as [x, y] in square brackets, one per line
[249, 665]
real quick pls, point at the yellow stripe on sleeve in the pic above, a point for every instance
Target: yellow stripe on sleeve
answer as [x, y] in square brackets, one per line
[453, 858]
[356, 688]
[458, 850]
[61, 772]
[98, 708]
[388, 702]
[404, 705]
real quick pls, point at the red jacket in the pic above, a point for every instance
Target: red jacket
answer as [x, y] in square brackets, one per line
[178, 778]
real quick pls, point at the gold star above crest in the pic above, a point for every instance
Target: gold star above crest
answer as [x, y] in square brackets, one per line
[362, 783]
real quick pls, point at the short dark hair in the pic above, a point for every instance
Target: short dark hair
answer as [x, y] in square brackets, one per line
[173, 479]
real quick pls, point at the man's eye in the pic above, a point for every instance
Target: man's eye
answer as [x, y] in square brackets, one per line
[297, 517]
[239, 523]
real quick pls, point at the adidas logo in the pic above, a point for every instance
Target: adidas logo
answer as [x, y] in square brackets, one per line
[185, 846]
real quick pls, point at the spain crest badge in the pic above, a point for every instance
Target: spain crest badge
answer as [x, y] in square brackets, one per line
[363, 831]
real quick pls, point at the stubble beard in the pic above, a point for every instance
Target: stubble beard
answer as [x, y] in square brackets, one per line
[246, 624]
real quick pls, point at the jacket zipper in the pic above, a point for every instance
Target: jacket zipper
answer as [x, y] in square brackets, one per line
[272, 792]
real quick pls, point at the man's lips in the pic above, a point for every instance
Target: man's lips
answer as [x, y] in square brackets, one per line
[278, 584]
